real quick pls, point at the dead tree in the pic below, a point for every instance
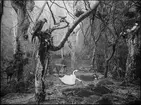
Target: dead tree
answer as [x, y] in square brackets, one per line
[132, 36]
[46, 45]
[112, 28]
[133, 58]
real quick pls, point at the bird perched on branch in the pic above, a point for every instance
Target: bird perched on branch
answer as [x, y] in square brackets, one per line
[38, 27]
[62, 18]
[69, 79]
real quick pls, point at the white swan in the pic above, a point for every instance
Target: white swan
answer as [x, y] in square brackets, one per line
[69, 79]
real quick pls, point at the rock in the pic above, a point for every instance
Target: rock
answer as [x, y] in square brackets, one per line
[133, 102]
[104, 82]
[105, 100]
[20, 87]
[90, 100]
[79, 92]
[100, 90]
[84, 93]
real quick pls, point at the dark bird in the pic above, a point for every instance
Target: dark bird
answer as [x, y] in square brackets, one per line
[38, 27]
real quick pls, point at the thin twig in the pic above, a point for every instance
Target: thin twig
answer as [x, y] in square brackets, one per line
[70, 14]
[57, 28]
[51, 13]
[40, 12]
[78, 20]
[68, 11]
[30, 17]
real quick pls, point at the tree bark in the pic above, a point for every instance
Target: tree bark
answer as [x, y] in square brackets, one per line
[108, 59]
[62, 53]
[14, 32]
[73, 59]
[134, 51]
[94, 65]
[23, 24]
[40, 12]
[95, 40]
[1, 9]
[39, 81]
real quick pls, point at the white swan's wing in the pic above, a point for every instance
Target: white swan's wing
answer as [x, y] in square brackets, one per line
[67, 80]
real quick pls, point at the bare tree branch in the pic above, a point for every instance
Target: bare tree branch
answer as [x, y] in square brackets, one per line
[107, 27]
[113, 48]
[30, 17]
[38, 15]
[99, 36]
[82, 17]
[68, 11]
[52, 3]
[40, 12]
[84, 34]
[14, 6]
[113, 52]
[65, 9]
[51, 13]
[57, 28]
[113, 22]
[87, 5]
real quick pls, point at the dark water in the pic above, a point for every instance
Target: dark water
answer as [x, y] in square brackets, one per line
[86, 77]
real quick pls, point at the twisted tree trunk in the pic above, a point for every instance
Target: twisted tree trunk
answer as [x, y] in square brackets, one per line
[42, 57]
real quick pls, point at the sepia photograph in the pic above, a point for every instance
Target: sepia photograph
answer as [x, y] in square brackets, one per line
[70, 52]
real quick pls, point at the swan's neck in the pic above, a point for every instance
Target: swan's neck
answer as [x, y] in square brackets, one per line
[74, 71]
